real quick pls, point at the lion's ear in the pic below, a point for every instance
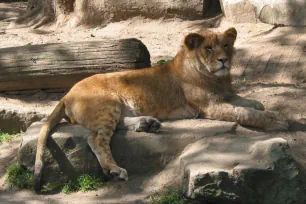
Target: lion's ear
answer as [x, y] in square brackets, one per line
[193, 40]
[231, 33]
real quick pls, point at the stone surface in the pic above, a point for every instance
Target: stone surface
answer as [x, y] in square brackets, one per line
[69, 155]
[279, 12]
[97, 12]
[19, 109]
[283, 12]
[118, 10]
[242, 169]
[15, 120]
[239, 11]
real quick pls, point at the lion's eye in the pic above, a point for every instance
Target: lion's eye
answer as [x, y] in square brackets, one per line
[226, 46]
[209, 48]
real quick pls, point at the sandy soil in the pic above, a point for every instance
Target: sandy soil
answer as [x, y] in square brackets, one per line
[163, 39]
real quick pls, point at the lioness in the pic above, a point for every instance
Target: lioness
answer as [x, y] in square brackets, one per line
[196, 83]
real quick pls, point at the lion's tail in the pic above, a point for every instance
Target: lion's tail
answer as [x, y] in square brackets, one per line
[56, 116]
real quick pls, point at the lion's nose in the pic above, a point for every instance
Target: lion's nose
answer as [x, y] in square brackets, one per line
[223, 60]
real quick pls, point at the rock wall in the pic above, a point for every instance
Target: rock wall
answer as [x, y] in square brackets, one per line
[278, 12]
[97, 11]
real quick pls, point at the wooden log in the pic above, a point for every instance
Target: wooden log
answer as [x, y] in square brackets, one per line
[61, 65]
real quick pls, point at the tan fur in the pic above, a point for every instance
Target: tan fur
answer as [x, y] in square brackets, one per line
[185, 87]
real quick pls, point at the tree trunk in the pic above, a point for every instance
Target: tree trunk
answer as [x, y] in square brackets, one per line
[62, 65]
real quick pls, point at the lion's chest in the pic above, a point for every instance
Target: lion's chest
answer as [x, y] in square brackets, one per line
[130, 109]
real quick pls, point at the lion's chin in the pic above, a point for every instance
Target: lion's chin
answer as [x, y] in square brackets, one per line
[222, 72]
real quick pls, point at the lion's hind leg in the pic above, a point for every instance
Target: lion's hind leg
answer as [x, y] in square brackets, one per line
[103, 128]
[100, 145]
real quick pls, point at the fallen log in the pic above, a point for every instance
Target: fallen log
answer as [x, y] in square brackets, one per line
[61, 65]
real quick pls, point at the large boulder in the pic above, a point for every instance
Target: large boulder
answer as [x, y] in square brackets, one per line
[239, 11]
[283, 12]
[242, 169]
[68, 154]
[278, 12]
[217, 162]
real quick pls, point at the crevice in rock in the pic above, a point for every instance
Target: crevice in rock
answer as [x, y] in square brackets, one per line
[211, 8]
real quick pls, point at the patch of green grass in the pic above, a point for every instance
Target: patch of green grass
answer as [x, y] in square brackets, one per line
[70, 187]
[84, 183]
[172, 196]
[87, 183]
[19, 177]
[162, 61]
[6, 137]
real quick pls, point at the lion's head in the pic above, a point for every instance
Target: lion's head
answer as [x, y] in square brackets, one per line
[212, 52]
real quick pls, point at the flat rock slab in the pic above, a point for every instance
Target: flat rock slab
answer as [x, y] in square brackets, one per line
[68, 154]
[242, 169]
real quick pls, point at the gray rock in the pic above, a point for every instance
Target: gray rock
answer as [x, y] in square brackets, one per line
[12, 120]
[97, 11]
[236, 169]
[239, 11]
[68, 154]
[279, 12]
[284, 12]
[19, 109]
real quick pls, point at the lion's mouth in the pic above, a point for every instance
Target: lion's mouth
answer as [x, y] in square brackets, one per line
[222, 68]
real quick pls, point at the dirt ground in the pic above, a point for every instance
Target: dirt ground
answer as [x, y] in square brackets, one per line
[270, 67]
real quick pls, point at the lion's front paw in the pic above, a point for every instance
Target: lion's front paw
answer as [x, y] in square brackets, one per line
[119, 174]
[148, 124]
[275, 122]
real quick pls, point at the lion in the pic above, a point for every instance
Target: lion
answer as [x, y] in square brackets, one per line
[196, 83]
